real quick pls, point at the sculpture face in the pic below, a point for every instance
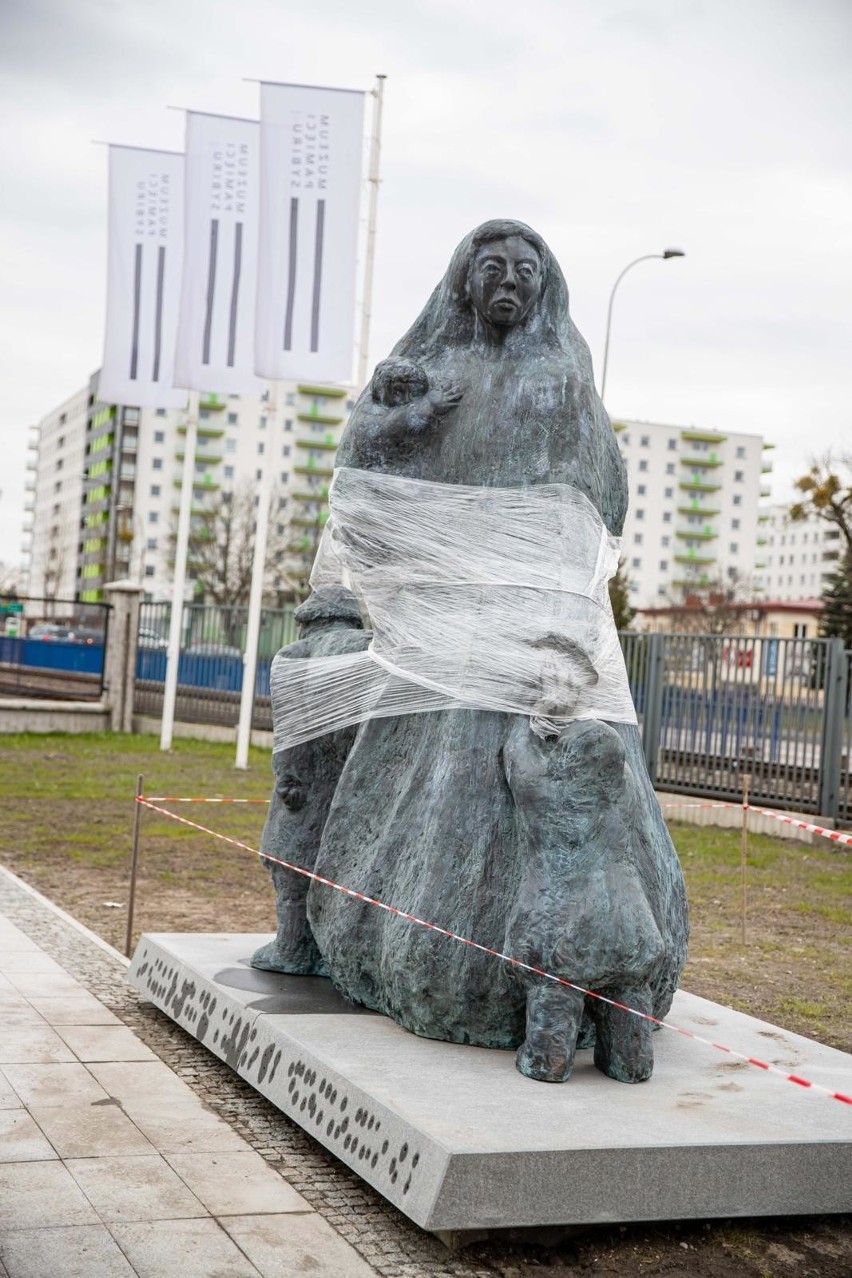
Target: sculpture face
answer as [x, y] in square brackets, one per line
[505, 280]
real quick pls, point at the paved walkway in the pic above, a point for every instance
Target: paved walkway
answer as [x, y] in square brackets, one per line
[113, 1163]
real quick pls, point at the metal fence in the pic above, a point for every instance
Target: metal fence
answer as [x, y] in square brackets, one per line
[715, 708]
[712, 708]
[210, 670]
[52, 648]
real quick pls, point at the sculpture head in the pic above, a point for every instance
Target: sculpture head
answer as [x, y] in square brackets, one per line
[328, 606]
[505, 279]
[398, 381]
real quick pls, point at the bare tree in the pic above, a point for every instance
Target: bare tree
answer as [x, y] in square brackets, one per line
[719, 607]
[827, 493]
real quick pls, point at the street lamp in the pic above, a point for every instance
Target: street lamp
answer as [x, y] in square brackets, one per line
[667, 253]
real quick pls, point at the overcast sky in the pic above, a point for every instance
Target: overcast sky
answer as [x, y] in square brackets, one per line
[614, 127]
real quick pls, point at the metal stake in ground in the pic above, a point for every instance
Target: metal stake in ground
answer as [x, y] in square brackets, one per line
[744, 851]
[134, 857]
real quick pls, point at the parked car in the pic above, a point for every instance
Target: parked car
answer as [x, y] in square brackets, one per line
[83, 634]
[49, 632]
[201, 649]
[149, 638]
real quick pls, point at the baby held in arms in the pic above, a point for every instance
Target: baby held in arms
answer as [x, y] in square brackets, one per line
[402, 387]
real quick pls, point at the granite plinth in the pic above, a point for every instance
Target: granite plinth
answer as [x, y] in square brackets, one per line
[457, 1139]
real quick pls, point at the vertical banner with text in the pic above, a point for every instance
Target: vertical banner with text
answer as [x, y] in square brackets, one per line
[215, 336]
[143, 277]
[311, 153]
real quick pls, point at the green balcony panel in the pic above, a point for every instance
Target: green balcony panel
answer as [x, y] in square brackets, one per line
[699, 486]
[205, 430]
[323, 418]
[330, 445]
[697, 510]
[694, 558]
[707, 462]
[703, 436]
[699, 534]
[332, 392]
[325, 472]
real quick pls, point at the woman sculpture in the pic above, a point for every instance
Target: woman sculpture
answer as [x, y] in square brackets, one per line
[548, 845]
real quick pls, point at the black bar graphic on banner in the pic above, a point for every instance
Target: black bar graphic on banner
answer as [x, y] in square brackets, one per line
[315, 304]
[211, 289]
[291, 274]
[137, 302]
[235, 293]
[158, 316]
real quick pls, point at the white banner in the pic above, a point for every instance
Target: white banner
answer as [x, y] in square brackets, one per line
[311, 150]
[215, 336]
[143, 278]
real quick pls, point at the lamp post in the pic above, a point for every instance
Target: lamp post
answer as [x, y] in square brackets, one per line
[646, 257]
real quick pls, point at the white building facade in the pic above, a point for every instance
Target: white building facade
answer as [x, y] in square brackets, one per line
[53, 500]
[696, 505]
[800, 556]
[121, 473]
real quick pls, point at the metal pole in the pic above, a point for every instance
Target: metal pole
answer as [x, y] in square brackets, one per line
[746, 781]
[369, 258]
[179, 583]
[134, 857]
[646, 257]
[257, 574]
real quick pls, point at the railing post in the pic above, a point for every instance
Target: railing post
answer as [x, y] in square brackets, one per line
[833, 713]
[653, 718]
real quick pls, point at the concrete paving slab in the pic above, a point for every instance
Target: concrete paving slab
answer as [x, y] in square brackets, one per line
[127, 1081]
[84, 1010]
[105, 1043]
[9, 1098]
[27, 960]
[21, 1140]
[133, 1189]
[54, 1084]
[293, 1246]
[44, 984]
[184, 1128]
[89, 1131]
[32, 1044]
[237, 1182]
[458, 1140]
[77, 1252]
[44, 1194]
[203, 1246]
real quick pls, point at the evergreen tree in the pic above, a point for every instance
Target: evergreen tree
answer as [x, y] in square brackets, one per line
[836, 621]
[619, 597]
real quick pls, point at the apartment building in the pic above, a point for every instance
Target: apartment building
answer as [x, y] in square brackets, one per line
[53, 500]
[125, 473]
[696, 509]
[800, 556]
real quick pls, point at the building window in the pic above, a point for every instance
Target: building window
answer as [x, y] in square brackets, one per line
[232, 419]
[151, 543]
[667, 516]
[642, 490]
[643, 465]
[155, 490]
[258, 474]
[644, 441]
[157, 463]
[288, 424]
[153, 517]
[625, 439]
[734, 548]
[640, 514]
[741, 451]
[282, 502]
[229, 472]
[159, 436]
[672, 445]
[664, 565]
[230, 445]
[260, 447]
[285, 475]
[290, 398]
[738, 476]
[738, 501]
[670, 470]
[149, 570]
[635, 563]
[161, 412]
[285, 451]
[735, 523]
[665, 541]
[637, 539]
[204, 414]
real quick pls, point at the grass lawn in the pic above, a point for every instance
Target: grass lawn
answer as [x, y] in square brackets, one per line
[67, 810]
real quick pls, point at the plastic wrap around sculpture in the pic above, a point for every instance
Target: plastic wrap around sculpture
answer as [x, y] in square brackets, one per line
[473, 601]
[474, 757]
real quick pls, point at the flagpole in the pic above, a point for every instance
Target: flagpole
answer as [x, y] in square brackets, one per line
[179, 583]
[369, 258]
[267, 475]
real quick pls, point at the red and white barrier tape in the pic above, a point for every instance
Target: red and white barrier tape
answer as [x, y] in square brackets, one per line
[506, 958]
[836, 835]
[169, 798]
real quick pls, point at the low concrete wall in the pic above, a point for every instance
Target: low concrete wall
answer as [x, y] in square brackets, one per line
[146, 723]
[690, 810]
[31, 714]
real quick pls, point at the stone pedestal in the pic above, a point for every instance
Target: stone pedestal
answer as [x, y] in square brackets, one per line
[458, 1140]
